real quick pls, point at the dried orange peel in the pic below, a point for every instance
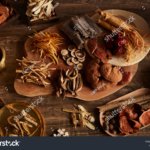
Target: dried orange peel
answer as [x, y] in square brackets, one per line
[47, 45]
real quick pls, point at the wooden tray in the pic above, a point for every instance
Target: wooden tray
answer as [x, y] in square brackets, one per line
[85, 94]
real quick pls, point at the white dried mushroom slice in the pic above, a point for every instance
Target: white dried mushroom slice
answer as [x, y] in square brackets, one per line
[80, 55]
[73, 53]
[80, 66]
[71, 47]
[64, 52]
[75, 61]
[69, 61]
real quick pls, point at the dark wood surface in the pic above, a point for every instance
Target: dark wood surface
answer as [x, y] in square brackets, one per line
[12, 37]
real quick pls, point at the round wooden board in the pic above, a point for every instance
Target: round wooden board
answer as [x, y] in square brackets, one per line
[86, 94]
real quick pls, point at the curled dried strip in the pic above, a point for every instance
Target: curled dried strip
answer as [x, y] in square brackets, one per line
[69, 82]
[26, 127]
[47, 45]
[12, 122]
[35, 72]
[12, 109]
[29, 118]
[30, 121]
[21, 127]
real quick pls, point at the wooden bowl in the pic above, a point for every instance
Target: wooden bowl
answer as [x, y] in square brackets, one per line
[6, 111]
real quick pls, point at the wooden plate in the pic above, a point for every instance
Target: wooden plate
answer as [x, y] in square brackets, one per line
[5, 112]
[114, 104]
[85, 94]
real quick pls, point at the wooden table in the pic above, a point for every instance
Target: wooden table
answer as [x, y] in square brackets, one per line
[13, 35]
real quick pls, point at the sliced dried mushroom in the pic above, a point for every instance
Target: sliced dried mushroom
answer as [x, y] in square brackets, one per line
[81, 60]
[64, 52]
[75, 61]
[80, 55]
[73, 57]
[79, 66]
[71, 47]
[69, 62]
[69, 82]
[12, 122]
[26, 127]
[73, 53]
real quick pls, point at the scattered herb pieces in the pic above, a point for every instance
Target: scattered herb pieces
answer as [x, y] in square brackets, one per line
[81, 117]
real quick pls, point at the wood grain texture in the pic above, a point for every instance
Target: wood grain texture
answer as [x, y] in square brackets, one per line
[12, 37]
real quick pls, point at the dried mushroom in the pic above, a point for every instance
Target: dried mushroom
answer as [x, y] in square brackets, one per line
[47, 44]
[40, 9]
[69, 82]
[35, 72]
[73, 57]
[81, 117]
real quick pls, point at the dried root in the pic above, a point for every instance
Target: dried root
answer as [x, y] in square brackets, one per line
[35, 72]
[69, 82]
[81, 117]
